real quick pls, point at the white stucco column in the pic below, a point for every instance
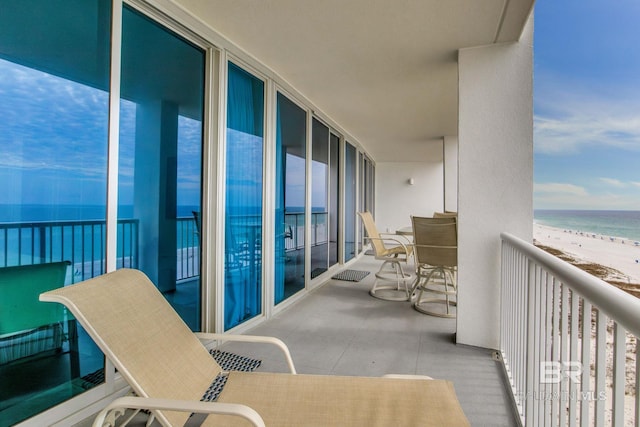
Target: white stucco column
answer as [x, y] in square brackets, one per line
[495, 186]
[450, 153]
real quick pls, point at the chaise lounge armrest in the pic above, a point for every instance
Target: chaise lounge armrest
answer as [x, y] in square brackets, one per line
[208, 336]
[107, 419]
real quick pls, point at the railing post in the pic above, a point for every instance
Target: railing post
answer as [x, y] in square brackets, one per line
[42, 231]
[619, 359]
[529, 393]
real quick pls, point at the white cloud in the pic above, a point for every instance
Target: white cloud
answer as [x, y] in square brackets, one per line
[569, 116]
[570, 196]
[570, 133]
[613, 182]
[559, 188]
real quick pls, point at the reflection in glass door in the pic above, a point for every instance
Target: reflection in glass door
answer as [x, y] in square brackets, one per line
[366, 188]
[361, 204]
[334, 198]
[243, 198]
[324, 198]
[291, 136]
[54, 106]
[319, 198]
[159, 191]
[350, 167]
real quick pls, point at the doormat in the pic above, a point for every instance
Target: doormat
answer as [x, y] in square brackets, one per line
[351, 275]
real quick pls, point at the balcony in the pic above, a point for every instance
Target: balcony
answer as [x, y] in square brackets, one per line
[536, 378]
[541, 366]
[433, 100]
[340, 330]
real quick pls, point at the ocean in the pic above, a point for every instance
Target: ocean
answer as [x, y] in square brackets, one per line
[623, 224]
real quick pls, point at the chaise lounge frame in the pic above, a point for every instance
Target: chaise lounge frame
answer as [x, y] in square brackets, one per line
[169, 369]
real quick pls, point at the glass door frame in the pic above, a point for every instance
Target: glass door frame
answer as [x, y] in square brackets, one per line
[331, 197]
[270, 170]
[83, 406]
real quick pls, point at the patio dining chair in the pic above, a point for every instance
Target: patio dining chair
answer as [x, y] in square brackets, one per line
[171, 371]
[436, 255]
[394, 250]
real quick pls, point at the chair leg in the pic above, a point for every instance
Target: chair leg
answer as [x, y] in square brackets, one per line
[394, 282]
[447, 290]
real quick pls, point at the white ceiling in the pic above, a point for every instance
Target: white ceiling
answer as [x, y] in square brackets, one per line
[384, 70]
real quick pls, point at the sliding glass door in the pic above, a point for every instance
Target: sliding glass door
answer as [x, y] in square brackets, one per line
[291, 137]
[319, 198]
[334, 231]
[350, 192]
[54, 113]
[162, 90]
[324, 198]
[366, 176]
[243, 197]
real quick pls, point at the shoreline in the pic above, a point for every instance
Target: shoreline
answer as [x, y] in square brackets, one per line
[619, 256]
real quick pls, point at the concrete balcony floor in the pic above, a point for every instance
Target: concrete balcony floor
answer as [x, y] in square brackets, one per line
[339, 329]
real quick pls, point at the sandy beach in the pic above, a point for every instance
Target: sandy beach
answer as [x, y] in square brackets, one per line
[617, 253]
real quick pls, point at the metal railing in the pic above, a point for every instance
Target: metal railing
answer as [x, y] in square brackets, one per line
[295, 225]
[188, 251]
[83, 244]
[80, 242]
[568, 341]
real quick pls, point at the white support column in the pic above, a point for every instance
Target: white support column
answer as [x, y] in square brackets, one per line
[495, 144]
[450, 154]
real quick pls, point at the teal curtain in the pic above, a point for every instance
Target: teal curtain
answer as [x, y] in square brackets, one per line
[243, 212]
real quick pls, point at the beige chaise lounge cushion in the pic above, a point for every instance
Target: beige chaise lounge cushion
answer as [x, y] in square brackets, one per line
[318, 400]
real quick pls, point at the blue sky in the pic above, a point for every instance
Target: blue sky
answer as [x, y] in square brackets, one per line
[587, 104]
[53, 143]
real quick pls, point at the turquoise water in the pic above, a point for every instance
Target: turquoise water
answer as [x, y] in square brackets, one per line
[625, 224]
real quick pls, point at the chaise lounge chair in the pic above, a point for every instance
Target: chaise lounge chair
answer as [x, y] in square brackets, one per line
[170, 370]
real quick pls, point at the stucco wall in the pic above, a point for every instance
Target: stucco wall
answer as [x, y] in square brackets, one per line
[422, 198]
[451, 173]
[495, 143]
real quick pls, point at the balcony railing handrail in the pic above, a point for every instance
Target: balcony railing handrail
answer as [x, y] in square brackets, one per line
[614, 302]
[58, 223]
